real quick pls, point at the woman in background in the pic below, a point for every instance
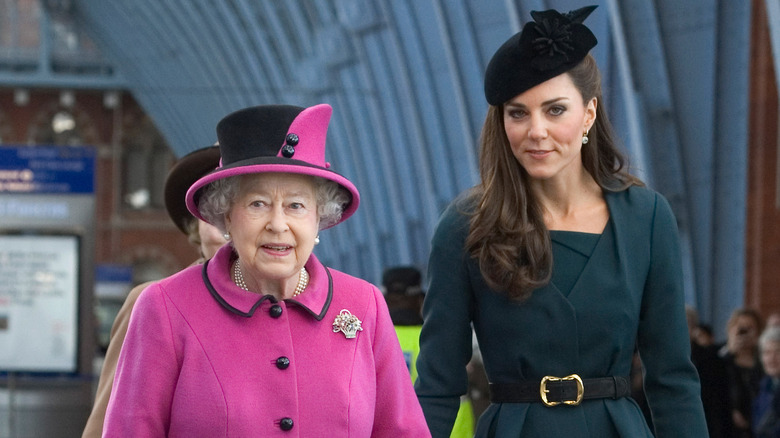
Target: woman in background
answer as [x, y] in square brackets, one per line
[204, 236]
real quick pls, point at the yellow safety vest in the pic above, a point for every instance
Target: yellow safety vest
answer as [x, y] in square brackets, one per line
[409, 337]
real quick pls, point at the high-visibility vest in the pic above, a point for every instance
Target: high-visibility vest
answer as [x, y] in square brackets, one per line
[409, 337]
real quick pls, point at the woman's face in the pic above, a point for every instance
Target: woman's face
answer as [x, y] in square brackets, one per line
[273, 223]
[770, 358]
[545, 125]
[743, 334]
[210, 239]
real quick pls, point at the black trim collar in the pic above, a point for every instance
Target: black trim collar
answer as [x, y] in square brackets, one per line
[271, 298]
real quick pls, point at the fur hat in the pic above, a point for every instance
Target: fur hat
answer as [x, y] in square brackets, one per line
[552, 44]
[274, 138]
[183, 174]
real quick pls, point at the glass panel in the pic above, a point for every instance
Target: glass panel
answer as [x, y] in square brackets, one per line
[147, 159]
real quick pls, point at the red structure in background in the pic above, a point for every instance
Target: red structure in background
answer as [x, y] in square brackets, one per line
[762, 272]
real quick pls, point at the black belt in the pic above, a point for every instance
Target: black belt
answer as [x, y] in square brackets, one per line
[551, 391]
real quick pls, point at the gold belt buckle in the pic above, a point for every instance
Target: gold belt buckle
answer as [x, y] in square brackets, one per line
[543, 390]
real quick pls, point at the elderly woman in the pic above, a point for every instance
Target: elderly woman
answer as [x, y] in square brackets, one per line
[263, 340]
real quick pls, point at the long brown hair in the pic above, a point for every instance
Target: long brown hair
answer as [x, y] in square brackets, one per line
[507, 234]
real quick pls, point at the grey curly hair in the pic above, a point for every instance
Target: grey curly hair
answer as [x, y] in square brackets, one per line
[218, 197]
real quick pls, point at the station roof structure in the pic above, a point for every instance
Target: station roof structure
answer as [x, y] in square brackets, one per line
[405, 78]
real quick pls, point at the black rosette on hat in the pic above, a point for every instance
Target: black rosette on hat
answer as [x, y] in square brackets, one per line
[550, 45]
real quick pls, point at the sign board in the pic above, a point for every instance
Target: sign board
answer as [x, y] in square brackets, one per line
[47, 169]
[47, 240]
[39, 298]
[113, 281]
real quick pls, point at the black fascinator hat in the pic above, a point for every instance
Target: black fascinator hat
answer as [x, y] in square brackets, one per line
[551, 44]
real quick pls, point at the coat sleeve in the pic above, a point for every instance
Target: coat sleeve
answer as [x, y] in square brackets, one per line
[445, 340]
[398, 412]
[671, 381]
[146, 372]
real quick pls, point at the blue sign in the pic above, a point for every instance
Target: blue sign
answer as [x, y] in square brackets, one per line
[47, 169]
[113, 273]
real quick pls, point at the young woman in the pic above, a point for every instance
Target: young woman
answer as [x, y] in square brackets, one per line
[561, 261]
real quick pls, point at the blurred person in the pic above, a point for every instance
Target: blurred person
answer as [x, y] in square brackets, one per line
[743, 366]
[773, 320]
[263, 339]
[713, 376]
[402, 287]
[704, 335]
[561, 259]
[204, 236]
[766, 405]
[692, 319]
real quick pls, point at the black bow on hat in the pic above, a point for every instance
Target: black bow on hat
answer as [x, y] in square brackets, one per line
[550, 45]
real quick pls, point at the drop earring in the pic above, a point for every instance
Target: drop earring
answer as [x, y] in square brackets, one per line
[317, 240]
[226, 235]
[585, 138]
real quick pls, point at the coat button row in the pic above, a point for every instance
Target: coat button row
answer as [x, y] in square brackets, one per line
[276, 311]
[282, 363]
[286, 423]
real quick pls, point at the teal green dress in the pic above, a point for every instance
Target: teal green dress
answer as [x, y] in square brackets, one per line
[609, 294]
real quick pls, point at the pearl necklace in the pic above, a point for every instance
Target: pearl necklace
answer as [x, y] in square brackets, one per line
[303, 279]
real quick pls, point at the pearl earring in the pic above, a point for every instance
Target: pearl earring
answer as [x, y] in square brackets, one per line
[317, 240]
[585, 138]
[226, 236]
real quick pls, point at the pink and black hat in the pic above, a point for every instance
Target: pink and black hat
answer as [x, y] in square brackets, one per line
[274, 138]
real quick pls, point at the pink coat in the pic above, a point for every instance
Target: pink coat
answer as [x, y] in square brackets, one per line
[193, 366]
